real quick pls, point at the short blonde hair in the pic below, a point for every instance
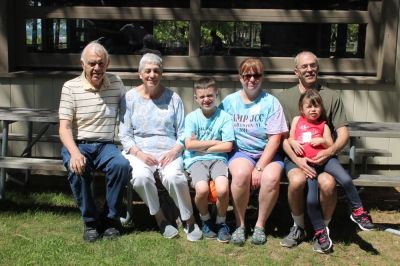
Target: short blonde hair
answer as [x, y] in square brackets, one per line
[204, 83]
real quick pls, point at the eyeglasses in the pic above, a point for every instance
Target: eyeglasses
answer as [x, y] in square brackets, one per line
[247, 77]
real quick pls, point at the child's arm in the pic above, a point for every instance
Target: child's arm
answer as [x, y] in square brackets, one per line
[191, 141]
[326, 141]
[193, 144]
[296, 146]
[223, 146]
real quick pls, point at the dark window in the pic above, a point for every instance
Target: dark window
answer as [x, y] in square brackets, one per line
[352, 38]
[117, 3]
[282, 39]
[119, 37]
[288, 4]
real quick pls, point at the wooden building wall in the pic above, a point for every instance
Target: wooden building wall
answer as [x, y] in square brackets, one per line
[362, 103]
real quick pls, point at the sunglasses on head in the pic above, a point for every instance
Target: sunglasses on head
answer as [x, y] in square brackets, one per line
[247, 77]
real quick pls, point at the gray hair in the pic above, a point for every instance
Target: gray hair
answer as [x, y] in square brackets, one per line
[150, 58]
[296, 59]
[97, 48]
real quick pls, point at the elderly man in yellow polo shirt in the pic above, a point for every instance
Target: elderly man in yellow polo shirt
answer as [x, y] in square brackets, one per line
[88, 112]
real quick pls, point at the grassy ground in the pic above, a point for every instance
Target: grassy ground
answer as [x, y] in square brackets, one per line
[41, 225]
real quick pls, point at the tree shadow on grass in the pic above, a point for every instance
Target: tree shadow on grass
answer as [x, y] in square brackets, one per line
[349, 234]
[342, 229]
[21, 207]
[141, 219]
[278, 224]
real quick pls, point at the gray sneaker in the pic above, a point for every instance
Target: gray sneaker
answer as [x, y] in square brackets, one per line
[167, 230]
[295, 236]
[322, 242]
[193, 232]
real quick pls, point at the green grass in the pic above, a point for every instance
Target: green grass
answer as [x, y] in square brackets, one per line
[44, 228]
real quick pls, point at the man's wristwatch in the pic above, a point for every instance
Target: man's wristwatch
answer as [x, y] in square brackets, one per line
[258, 168]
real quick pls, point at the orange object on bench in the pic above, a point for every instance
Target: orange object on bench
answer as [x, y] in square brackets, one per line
[212, 195]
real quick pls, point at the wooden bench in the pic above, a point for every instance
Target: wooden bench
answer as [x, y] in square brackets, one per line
[57, 165]
[45, 138]
[22, 137]
[32, 163]
[366, 153]
[367, 180]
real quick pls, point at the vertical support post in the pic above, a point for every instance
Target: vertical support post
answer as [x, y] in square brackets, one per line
[4, 146]
[194, 29]
[29, 152]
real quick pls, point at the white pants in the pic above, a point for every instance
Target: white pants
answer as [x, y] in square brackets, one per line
[172, 178]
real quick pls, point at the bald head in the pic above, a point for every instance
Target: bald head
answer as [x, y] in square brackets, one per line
[304, 53]
[306, 69]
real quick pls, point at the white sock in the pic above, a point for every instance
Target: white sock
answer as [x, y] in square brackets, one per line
[326, 222]
[220, 219]
[299, 220]
[205, 217]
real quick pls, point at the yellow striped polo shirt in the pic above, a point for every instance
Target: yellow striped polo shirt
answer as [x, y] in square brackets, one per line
[93, 112]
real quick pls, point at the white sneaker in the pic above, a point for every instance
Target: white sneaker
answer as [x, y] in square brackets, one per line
[167, 230]
[193, 232]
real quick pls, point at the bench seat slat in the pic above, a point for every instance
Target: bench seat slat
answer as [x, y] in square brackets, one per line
[368, 152]
[369, 180]
[32, 163]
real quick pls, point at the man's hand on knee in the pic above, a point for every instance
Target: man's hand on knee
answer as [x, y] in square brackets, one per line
[302, 163]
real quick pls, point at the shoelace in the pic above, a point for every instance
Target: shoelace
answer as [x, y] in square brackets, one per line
[293, 231]
[225, 227]
[359, 211]
[365, 217]
[321, 236]
[207, 227]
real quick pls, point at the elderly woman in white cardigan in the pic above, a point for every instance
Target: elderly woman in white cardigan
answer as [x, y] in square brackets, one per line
[151, 131]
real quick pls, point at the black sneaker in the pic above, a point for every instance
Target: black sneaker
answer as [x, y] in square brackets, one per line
[322, 241]
[295, 237]
[208, 229]
[363, 221]
[90, 232]
[113, 228]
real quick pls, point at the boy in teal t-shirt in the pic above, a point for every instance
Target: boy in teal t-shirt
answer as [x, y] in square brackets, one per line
[209, 137]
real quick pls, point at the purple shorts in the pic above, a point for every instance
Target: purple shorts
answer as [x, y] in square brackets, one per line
[278, 158]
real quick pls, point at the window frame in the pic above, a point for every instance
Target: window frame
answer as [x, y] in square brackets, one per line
[379, 62]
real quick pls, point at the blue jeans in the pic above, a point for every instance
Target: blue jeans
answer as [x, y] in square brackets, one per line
[334, 168]
[107, 158]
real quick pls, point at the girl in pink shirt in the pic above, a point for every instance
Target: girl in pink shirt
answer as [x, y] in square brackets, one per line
[309, 134]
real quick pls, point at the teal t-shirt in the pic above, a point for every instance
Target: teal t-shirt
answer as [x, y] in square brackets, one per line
[217, 127]
[253, 122]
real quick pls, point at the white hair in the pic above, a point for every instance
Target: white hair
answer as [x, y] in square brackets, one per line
[97, 48]
[150, 58]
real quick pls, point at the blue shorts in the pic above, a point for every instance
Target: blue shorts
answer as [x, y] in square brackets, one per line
[278, 158]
